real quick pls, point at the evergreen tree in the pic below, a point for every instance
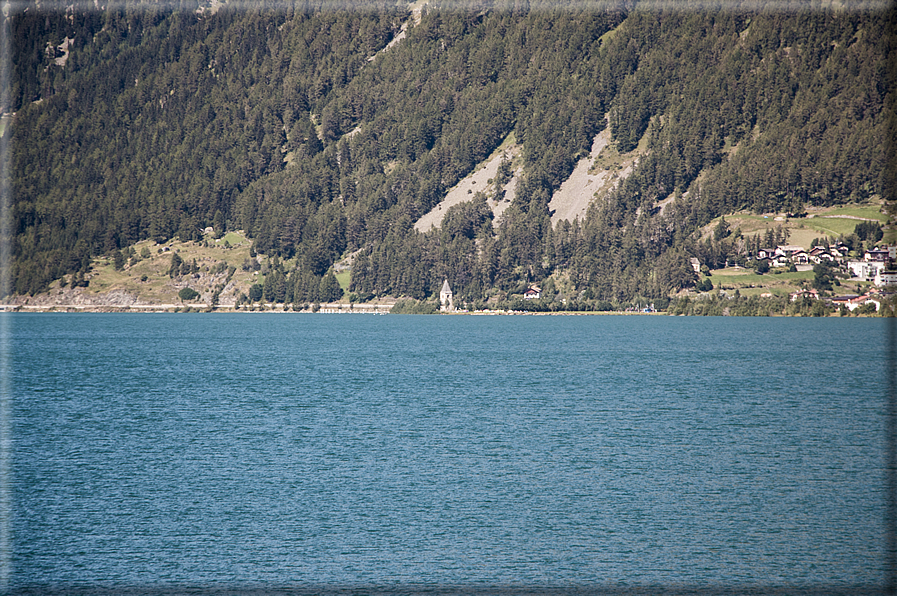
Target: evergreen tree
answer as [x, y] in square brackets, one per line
[218, 224]
[330, 290]
[175, 268]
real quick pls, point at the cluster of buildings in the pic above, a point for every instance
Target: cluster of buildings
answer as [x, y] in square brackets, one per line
[850, 301]
[782, 256]
[877, 264]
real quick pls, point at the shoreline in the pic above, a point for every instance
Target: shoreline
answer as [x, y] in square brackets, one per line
[384, 311]
[333, 309]
[329, 308]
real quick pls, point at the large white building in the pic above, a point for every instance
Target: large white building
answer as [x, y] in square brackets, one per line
[865, 270]
[875, 266]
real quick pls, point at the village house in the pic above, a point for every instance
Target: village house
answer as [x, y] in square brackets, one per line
[881, 253]
[800, 257]
[858, 301]
[819, 254]
[784, 255]
[852, 302]
[877, 255]
[876, 266]
[812, 294]
[822, 257]
[838, 251]
[532, 293]
[786, 250]
[884, 277]
[843, 300]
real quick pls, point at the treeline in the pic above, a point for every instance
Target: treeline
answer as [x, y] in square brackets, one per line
[292, 125]
[294, 287]
[714, 305]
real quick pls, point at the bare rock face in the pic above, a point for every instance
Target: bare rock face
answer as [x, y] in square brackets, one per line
[118, 298]
[76, 297]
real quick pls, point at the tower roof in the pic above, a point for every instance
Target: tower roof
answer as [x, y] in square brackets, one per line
[445, 288]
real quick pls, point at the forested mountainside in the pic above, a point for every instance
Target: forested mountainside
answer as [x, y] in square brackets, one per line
[301, 127]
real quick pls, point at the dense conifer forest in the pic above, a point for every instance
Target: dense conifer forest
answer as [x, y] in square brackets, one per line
[297, 125]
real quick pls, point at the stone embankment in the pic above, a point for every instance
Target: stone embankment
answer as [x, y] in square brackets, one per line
[76, 300]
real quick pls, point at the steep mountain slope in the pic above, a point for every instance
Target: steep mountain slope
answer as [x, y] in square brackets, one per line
[495, 178]
[277, 122]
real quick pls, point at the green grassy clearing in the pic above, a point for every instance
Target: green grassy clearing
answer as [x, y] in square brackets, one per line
[233, 239]
[739, 277]
[799, 233]
[890, 237]
[823, 223]
[344, 277]
[833, 226]
[610, 158]
[804, 237]
[864, 211]
[607, 36]
[759, 290]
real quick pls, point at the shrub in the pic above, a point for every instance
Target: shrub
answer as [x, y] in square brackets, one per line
[409, 306]
[188, 294]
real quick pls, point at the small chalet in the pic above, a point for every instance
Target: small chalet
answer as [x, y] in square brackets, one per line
[822, 256]
[532, 293]
[780, 260]
[877, 254]
[799, 257]
[786, 250]
[812, 294]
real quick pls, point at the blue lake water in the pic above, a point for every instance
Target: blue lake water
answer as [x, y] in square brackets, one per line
[327, 450]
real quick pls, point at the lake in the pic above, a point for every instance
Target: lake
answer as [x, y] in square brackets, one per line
[186, 452]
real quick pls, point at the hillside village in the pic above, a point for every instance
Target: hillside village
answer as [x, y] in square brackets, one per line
[877, 266]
